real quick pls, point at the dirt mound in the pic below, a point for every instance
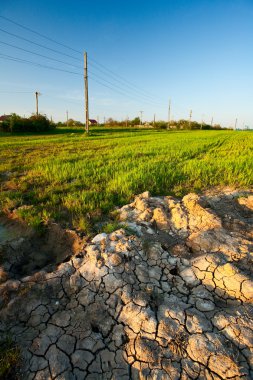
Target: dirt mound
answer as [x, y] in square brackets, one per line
[168, 296]
[23, 251]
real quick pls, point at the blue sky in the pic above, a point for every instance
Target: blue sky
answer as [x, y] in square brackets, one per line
[196, 52]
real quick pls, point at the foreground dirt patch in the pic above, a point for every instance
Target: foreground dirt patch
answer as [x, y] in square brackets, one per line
[24, 251]
[167, 297]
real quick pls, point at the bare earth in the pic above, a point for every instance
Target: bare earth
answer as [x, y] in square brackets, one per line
[168, 296]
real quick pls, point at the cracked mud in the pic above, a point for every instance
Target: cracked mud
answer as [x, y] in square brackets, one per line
[168, 296]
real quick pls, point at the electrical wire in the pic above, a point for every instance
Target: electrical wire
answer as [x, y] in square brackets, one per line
[35, 43]
[112, 74]
[39, 34]
[16, 59]
[40, 55]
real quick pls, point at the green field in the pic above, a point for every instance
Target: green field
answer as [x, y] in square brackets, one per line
[76, 180]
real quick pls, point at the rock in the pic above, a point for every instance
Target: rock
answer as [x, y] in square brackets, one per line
[58, 361]
[189, 277]
[81, 359]
[205, 305]
[99, 238]
[161, 219]
[115, 260]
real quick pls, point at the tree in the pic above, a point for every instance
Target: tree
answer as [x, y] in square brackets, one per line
[135, 121]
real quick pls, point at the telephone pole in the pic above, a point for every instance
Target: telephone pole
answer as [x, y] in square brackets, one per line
[37, 102]
[212, 122]
[141, 112]
[154, 120]
[235, 123]
[190, 119]
[202, 121]
[86, 94]
[67, 113]
[169, 113]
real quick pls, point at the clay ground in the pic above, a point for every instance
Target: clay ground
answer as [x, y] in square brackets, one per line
[167, 296]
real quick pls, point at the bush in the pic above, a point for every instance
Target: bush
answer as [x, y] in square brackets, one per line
[161, 124]
[35, 123]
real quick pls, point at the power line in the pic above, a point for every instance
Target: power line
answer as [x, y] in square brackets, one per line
[15, 59]
[11, 58]
[124, 81]
[35, 43]
[123, 89]
[38, 34]
[122, 92]
[76, 51]
[69, 64]
[132, 88]
[16, 92]
[40, 55]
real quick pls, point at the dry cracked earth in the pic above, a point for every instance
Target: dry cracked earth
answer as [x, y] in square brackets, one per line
[167, 296]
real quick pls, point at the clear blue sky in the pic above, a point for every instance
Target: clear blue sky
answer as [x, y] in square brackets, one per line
[196, 52]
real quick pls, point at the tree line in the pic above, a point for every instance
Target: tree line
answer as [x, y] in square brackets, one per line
[40, 123]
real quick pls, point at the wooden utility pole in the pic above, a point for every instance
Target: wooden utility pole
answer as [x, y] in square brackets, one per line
[190, 119]
[154, 120]
[235, 123]
[37, 102]
[67, 113]
[169, 113]
[202, 121]
[86, 96]
[212, 122]
[141, 112]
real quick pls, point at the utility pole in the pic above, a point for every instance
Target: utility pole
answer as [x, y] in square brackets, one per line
[235, 124]
[169, 113]
[37, 102]
[98, 120]
[212, 122]
[86, 94]
[154, 120]
[126, 121]
[141, 112]
[202, 121]
[190, 119]
[67, 113]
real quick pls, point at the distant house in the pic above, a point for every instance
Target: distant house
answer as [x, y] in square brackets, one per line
[92, 122]
[4, 117]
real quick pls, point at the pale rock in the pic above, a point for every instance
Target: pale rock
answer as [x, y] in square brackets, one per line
[205, 305]
[189, 277]
[99, 238]
[161, 219]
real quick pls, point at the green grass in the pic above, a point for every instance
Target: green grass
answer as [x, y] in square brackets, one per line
[69, 177]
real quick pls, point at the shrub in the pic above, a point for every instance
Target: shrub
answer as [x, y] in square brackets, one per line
[35, 123]
[161, 124]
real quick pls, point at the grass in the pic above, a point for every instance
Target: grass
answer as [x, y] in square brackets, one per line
[71, 178]
[9, 359]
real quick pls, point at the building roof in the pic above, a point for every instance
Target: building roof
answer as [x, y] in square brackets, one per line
[4, 117]
[93, 121]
